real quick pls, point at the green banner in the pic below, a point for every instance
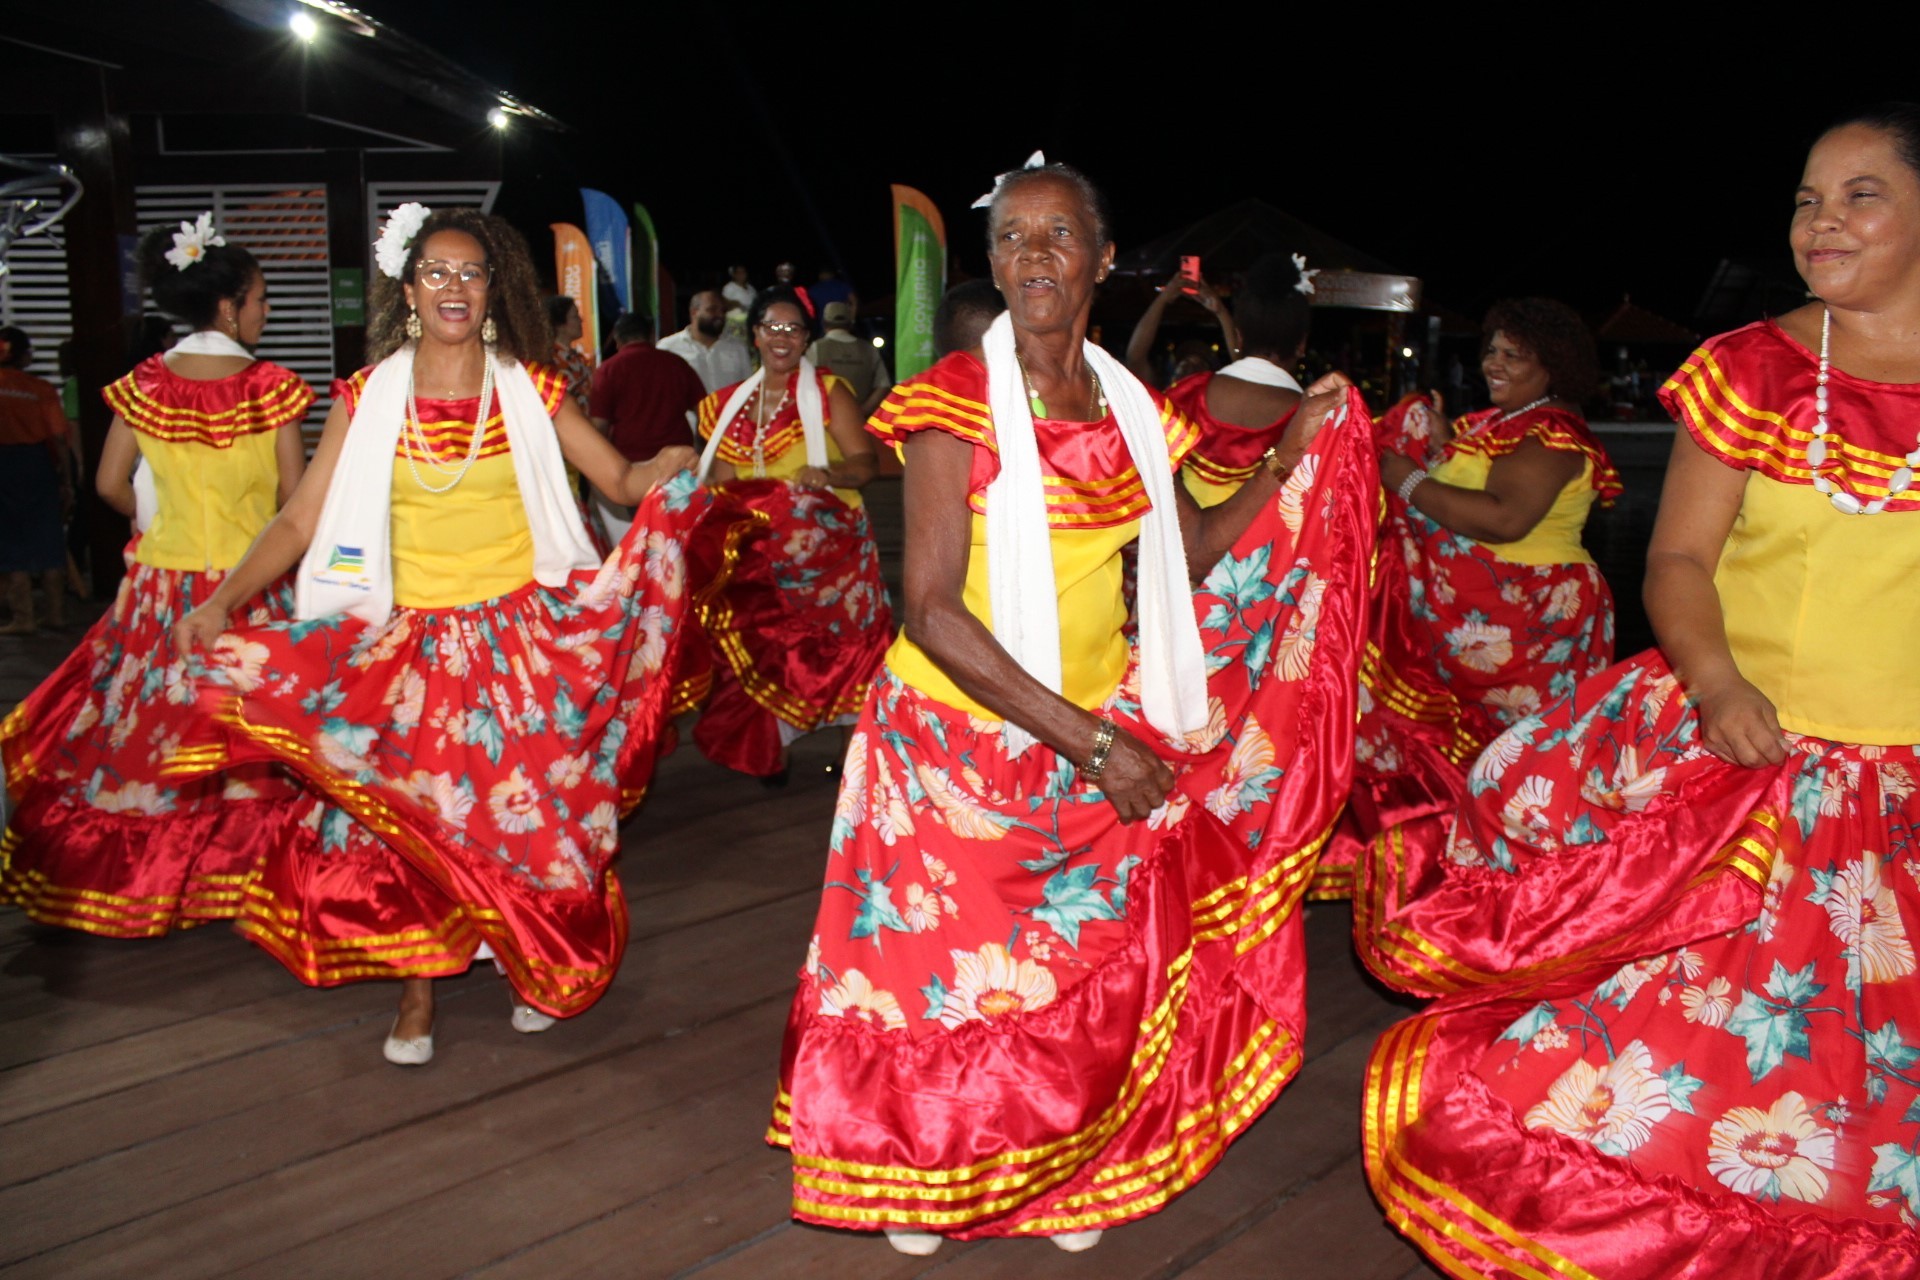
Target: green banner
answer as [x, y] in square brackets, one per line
[920, 280]
[646, 267]
[349, 297]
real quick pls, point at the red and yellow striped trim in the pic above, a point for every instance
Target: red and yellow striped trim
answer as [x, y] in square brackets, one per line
[287, 401]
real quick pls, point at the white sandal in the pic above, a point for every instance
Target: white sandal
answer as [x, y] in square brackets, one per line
[528, 1020]
[1078, 1241]
[416, 1052]
[915, 1244]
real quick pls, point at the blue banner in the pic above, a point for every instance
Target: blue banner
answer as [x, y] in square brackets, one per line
[612, 242]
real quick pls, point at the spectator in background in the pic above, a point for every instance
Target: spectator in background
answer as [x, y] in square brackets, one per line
[829, 289]
[34, 491]
[840, 351]
[737, 291]
[717, 356]
[963, 316]
[563, 313]
[644, 400]
[783, 275]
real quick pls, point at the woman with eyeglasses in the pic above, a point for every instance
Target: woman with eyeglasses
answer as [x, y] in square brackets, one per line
[100, 838]
[475, 697]
[795, 612]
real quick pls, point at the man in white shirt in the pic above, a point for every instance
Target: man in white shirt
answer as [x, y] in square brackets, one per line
[718, 357]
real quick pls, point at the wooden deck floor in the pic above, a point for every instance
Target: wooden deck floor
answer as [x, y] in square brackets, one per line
[184, 1108]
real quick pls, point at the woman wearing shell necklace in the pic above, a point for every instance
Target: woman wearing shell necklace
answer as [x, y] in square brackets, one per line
[1687, 897]
[474, 695]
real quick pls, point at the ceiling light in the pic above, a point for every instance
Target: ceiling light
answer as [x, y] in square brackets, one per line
[304, 26]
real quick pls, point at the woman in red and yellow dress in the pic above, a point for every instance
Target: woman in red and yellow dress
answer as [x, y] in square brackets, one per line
[1057, 963]
[1486, 607]
[99, 839]
[477, 697]
[1682, 903]
[795, 612]
[1242, 410]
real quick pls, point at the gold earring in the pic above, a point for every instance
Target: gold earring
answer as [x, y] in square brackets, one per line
[489, 331]
[413, 323]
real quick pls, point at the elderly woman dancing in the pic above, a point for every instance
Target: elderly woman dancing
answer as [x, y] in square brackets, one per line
[1059, 938]
[478, 695]
[1679, 906]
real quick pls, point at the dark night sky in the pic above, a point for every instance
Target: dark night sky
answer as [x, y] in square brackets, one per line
[1491, 155]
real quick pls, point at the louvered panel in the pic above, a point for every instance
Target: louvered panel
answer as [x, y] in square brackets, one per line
[284, 226]
[33, 293]
[383, 196]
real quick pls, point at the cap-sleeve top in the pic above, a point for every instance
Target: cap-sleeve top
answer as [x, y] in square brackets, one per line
[1820, 606]
[209, 446]
[1095, 501]
[1225, 454]
[782, 447]
[1479, 439]
[472, 542]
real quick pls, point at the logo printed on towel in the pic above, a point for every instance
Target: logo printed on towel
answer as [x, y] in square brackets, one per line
[348, 559]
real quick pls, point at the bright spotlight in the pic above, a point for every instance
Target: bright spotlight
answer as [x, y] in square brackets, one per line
[1406, 353]
[497, 118]
[879, 341]
[304, 26]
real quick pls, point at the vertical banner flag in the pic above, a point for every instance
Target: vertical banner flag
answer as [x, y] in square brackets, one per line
[646, 260]
[612, 242]
[573, 271]
[920, 254]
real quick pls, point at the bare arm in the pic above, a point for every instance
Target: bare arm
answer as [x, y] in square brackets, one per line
[857, 463]
[1140, 345]
[605, 467]
[290, 456]
[934, 614]
[1697, 510]
[1521, 489]
[118, 457]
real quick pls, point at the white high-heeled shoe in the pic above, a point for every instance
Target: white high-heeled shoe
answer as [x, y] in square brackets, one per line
[1077, 1241]
[528, 1020]
[915, 1244]
[414, 1052]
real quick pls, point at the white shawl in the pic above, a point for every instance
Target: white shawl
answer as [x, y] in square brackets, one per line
[807, 398]
[1259, 369]
[348, 567]
[1020, 582]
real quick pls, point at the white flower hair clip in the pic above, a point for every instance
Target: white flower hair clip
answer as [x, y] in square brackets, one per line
[1037, 160]
[403, 224]
[1305, 283]
[192, 240]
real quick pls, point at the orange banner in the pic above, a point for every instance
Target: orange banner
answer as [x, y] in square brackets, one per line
[573, 270]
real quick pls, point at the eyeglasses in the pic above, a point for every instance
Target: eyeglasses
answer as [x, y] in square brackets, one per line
[438, 275]
[781, 328]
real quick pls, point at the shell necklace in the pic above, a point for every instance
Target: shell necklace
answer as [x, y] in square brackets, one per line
[1897, 483]
[422, 447]
[760, 421]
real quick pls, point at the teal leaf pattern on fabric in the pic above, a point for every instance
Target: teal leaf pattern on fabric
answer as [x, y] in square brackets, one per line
[936, 993]
[1071, 898]
[1681, 1087]
[1530, 1023]
[1895, 1168]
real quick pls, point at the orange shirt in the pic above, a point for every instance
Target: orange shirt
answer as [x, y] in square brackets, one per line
[30, 410]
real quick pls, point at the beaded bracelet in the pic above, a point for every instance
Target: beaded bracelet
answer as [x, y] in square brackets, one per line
[1102, 746]
[1411, 483]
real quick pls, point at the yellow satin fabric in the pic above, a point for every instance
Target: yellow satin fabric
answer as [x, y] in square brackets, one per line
[469, 544]
[1815, 603]
[1093, 653]
[212, 503]
[1206, 492]
[788, 464]
[1556, 539]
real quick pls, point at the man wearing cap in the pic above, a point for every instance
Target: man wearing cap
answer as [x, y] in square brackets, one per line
[840, 352]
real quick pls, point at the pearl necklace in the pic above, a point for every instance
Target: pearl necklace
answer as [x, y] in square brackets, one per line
[760, 423]
[417, 435]
[1529, 407]
[1897, 483]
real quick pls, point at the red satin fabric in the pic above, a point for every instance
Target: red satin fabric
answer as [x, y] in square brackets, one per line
[1462, 642]
[478, 760]
[795, 616]
[1684, 1006]
[1001, 966]
[1225, 452]
[99, 839]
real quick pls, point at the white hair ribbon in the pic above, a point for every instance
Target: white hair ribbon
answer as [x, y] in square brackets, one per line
[1035, 161]
[1305, 283]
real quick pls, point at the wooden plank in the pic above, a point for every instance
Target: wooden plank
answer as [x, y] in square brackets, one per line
[1330, 1230]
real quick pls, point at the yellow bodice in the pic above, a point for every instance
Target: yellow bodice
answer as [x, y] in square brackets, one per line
[210, 503]
[1821, 612]
[1207, 493]
[1093, 652]
[1556, 539]
[469, 544]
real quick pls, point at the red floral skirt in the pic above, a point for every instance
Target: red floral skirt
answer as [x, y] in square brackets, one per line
[476, 762]
[1685, 1038]
[1020, 1016]
[99, 839]
[1461, 645]
[795, 614]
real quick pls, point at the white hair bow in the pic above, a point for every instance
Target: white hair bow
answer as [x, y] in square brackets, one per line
[1305, 283]
[1035, 161]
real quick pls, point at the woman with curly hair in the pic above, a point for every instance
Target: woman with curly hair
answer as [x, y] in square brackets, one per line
[1486, 607]
[100, 839]
[476, 696]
